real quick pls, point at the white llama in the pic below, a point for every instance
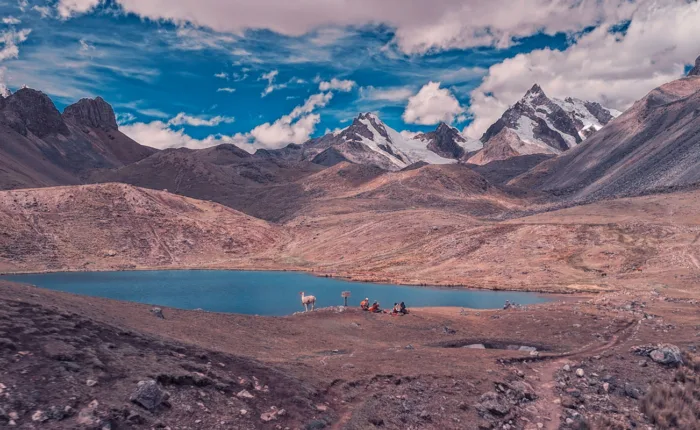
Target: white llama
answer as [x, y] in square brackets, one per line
[306, 300]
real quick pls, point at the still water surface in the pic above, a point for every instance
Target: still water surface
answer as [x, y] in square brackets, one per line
[261, 293]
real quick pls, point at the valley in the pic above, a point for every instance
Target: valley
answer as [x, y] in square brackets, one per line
[565, 196]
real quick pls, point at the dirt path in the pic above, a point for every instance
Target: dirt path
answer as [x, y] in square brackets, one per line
[548, 403]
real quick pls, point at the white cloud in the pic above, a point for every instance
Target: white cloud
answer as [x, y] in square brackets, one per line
[614, 69]
[226, 90]
[425, 26]
[68, 8]
[157, 134]
[44, 11]
[11, 20]
[296, 127]
[271, 86]
[409, 134]
[391, 94]
[222, 75]
[125, 118]
[9, 42]
[199, 121]
[336, 84]
[4, 91]
[432, 105]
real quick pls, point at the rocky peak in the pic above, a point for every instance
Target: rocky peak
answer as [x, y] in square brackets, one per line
[695, 71]
[30, 110]
[91, 113]
[366, 125]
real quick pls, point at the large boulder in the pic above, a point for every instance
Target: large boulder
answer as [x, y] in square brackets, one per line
[149, 395]
[492, 403]
[667, 354]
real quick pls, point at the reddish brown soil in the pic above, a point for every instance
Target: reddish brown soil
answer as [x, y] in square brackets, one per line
[348, 370]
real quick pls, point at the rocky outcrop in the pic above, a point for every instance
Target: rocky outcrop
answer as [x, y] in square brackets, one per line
[95, 113]
[444, 141]
[695, 71]
[31, 111]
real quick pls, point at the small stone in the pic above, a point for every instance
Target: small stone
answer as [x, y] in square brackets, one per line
[158, 312]
[91, 383]
[39, 416]
[244, 394]
[580, 372]
[243, 412]
[322, 408]
[569, 421]
[567, 368]
[13, 415]
[540, 425]
[268, 416]
[606, 387]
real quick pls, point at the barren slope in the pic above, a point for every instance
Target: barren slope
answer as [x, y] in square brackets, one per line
[653, 145]
[114, 226]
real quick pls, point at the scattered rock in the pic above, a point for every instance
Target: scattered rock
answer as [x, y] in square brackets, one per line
[244, 394]
[567, 368]
[40, 417]
[91, 383]
[87, 415]
[580, 372]
[632, 391]
[149, 395]
[59, 350]
[158, 312]
[667, 354]
[492, 403]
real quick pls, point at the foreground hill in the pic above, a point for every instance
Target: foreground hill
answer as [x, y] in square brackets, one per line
[655, 145]
[92, 227]
[39, 146]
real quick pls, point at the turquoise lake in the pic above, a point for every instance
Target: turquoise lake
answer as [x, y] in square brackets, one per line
[258, 293]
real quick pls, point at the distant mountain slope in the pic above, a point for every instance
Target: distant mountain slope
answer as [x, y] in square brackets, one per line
[260, 186]
[369, 141]
[41, 147]
[654, 144]
[539, 125]
[117, 226]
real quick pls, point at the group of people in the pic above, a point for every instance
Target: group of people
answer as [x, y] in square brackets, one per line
[398, 309]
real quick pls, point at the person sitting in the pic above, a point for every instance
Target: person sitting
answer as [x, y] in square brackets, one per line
[402, 309]
[364, 305]
[507, 305]
[375, 307]
[396, 309]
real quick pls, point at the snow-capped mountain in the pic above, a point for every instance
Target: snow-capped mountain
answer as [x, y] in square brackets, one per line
[371, 142]
[447, 142]
[539, 125]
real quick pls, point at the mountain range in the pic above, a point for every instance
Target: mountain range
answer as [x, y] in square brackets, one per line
[559, 149]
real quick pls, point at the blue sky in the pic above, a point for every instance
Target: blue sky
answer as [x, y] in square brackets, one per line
[225, 82]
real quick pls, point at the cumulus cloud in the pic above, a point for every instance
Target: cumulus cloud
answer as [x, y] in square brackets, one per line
[226, 90]
[432, 105]
[336, 84]
[158, 134]
[199, 121]
[9, 43]
[425, 26]
[391, 94]
[222, 75]
[68, 8]
[606, 66]
[295, 127]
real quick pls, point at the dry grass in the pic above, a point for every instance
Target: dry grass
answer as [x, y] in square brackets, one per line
[676, 405]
